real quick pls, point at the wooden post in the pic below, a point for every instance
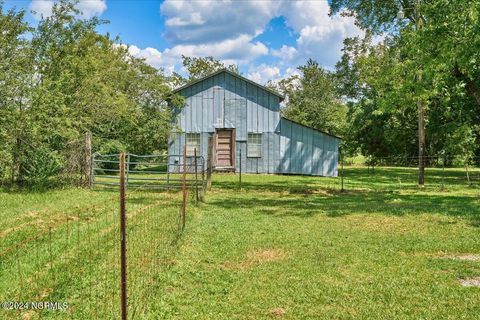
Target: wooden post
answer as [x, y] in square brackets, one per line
[88, 159]
[184, 186]
[209, 163]
[123, 239]
[196, 174]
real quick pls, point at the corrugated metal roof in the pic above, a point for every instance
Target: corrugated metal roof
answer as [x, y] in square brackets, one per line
[324, 132]
[233, 74]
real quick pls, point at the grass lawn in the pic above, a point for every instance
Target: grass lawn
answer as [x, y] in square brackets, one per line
[286, 247]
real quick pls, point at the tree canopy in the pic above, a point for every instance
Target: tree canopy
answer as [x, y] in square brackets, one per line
[312, 99]
[429, 55]
[63, 79]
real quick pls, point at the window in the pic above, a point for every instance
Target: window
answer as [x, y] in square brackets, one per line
[193, 142]
[254, 147]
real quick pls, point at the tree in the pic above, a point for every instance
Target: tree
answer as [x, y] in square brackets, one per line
[435, 62]
[75, 81]
[199, 67]
[15, 80]
[312, 99]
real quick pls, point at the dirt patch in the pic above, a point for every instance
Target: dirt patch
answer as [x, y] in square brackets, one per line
[460, 257]
[466, 257]
[473, 282]
[257, 257]
[269, 255]
[277, 312]
[28, 315]
[301, 191]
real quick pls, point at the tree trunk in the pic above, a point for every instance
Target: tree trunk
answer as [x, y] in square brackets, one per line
[474, 90]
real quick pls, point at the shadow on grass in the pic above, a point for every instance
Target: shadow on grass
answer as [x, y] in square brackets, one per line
[334, 203]
[382, 179]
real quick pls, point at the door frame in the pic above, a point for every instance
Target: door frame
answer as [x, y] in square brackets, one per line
[232, 149]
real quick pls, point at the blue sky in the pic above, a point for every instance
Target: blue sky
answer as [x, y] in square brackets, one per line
[268, 39]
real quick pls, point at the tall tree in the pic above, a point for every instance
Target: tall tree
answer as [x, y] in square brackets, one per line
[199, 67]
[434, 45]
[312, 99]
[16, 69]
[74, 80]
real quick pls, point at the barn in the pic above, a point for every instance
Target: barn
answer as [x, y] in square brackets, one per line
[244, 121]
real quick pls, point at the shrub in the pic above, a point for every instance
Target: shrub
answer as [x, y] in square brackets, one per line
[39, 167]
[112, 147]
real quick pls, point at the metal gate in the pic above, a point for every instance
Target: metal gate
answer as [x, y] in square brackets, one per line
[163, 172]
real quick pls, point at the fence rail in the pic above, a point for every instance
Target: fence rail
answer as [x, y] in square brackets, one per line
[165, 172]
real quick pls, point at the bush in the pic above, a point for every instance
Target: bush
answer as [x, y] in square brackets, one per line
[112, 147]
[40, 166]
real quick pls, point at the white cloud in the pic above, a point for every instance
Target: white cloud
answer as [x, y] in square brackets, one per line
[211, 21]
[320, 36]
[211, 27]
[88, 8]
[41, 8]
[91, 8]
[231, 51]
[195, 19]
[285, 52]
[263, 73]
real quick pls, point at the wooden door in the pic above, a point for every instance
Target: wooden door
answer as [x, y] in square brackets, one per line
[225, 148]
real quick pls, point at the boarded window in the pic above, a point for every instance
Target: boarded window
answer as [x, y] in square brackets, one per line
[254, 147]
[193, 142]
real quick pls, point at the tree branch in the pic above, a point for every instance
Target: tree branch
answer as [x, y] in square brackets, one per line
[472, 87]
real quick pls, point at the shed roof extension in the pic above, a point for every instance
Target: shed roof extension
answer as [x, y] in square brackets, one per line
[321, 131]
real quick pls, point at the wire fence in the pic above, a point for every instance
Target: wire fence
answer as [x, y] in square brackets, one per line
[441, 172]
[66, 263]
[161, 172]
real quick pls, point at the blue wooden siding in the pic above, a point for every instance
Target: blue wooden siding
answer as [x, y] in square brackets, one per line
[228, 101]
[306, 151]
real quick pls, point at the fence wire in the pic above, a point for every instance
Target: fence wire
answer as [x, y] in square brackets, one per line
[396, 173]
[68, 263]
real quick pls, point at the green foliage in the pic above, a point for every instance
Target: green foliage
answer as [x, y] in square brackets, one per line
[112, 147]
[199, 67]
[428, 56]
[63, 79]
[313, 99]
[40, 166]
[461, 141]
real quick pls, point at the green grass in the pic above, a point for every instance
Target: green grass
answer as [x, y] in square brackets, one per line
[288, 245]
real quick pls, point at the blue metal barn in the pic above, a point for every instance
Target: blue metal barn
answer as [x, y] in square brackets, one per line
[243, 118]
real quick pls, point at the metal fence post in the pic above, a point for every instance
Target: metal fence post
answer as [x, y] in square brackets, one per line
[209, 163]
[123, 239]
[196, 174]
[92, 171]
[240, 167]
[128, 168]
[203, 179]
[88, 159]
[168, 173]
[184, 186]
[443, 171]
[342, 156]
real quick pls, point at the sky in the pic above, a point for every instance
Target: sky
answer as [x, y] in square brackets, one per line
[267, 39]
